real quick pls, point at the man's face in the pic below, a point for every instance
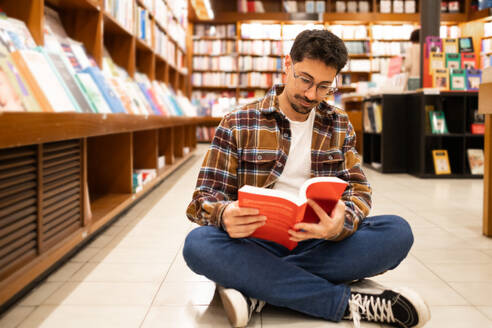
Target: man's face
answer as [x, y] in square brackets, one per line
[300, 75]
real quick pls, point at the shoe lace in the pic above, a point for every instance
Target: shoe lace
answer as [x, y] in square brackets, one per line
[255, 305]
[373, 308]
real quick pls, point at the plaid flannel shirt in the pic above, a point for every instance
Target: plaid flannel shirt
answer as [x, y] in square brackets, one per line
[251, 146]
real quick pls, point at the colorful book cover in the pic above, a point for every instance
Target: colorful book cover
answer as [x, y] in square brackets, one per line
[433, 44]
[10, 99]
[453, 61]
[16, 81]
[99, 104]
[468, 61]
[457, 80]
[106, 90]
[441, 161]
[476, 161]
[473, 79]
[20, 62]
[450, 45]
[466, 44]
[64, 78]
[440, 79]
[437, 61]
[145, 92]
[438, 122]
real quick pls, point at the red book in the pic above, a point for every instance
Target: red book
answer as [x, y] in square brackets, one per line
[477, 128]
[284, 210]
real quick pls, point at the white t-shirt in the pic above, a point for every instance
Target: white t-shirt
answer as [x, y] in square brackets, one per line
[298, 167]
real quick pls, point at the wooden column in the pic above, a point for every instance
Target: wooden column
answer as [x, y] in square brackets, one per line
[487, 185]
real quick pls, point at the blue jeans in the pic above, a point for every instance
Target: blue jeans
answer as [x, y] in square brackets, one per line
[313, 277]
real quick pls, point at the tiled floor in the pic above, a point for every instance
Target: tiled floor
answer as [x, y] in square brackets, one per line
[133, 275]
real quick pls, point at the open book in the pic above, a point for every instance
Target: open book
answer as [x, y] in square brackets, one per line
[284, 210]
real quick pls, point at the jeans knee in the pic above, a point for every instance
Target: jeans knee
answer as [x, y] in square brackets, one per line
[403, 232]
[194, 245]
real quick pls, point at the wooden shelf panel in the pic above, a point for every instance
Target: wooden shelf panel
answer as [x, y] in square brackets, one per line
[76, 4]
[20, 129]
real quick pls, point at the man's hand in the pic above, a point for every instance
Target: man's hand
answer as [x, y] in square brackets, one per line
[240, 222]
[327, 227]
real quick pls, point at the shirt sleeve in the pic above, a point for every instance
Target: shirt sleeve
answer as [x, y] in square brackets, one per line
[357, 196]
[216, 186]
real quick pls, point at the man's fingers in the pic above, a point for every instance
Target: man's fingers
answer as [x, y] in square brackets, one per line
[245, 230]
[302, 235]
[242, 220]
[339, 210]
[318, 209]
[242, 211]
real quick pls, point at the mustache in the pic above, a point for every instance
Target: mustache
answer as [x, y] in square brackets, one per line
[305, 99]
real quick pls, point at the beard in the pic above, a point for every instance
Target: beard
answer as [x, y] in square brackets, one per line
[301, 109]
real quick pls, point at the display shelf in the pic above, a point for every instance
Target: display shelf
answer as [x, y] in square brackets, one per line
[457, 107]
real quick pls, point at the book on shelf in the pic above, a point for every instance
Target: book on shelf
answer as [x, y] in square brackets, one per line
[450, 45]
[10, 99]
[465, 44]
[457, 79]
[437, 121]
[284, 210]
[441, 161]
[473, 79]
[108, 93]
[476, 161]
[37, 72]
[432, 44]
[94, 95]
[453, 60]
[477, 125]
[468, 61]
[437, 61]
[440, 79]
[69, 82]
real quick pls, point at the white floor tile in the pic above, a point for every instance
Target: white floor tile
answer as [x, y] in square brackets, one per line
[191, 317]
[41, 293]
[477, 293]
[181, 294]
[457, 317]
[103, 293]
[70, 316]
[15, 316]
[121, 272]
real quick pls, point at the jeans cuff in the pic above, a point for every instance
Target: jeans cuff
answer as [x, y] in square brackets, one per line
[342, 306]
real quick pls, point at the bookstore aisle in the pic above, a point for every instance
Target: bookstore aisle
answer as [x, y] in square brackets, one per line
[133, 274]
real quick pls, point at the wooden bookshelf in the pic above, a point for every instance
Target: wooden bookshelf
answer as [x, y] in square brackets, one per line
[72, 172]
[103, 150]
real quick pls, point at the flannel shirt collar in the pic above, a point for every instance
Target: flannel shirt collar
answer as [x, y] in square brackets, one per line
[269, 103]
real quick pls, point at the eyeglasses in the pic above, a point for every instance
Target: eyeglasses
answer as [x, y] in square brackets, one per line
[322, 90]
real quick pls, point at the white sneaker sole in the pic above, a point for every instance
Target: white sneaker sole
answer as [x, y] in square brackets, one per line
[235, 306]
[421, 306]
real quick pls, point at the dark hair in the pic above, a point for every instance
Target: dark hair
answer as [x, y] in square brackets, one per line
[321, 45]
[415, 36]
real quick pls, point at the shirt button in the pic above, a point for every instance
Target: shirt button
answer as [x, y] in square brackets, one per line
[259, 157]
[330, 157]
[280, 164]
[286, 135]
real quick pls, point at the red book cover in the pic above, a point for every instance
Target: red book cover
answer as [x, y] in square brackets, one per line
[284, 210]
[468, 61]
[478, 128]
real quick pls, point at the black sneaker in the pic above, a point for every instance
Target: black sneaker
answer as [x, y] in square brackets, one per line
[370, 301]
[238, 307]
